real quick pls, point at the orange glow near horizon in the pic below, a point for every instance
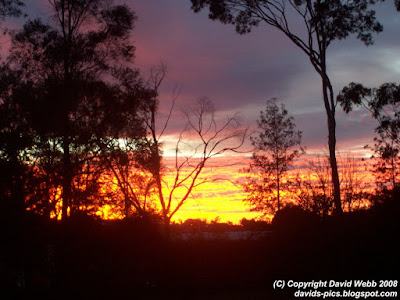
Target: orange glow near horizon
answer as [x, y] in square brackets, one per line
[224, 199]
[221, 199]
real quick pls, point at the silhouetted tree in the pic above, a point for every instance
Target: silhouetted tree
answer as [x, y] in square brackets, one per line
[356, 188]
[127, 180]
[313, 188]
[323, 22]
[43, 190]
[11, 8]
[203, 138]
[76, 86]
[397, 4]
[383, 103]
[133, 165]
[276, 146]
[15, 138]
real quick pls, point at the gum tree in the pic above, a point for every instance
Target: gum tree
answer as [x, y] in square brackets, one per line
[384, 105]
[323, 21]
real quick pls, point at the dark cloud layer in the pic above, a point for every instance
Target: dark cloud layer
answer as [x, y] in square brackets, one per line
[240, 72]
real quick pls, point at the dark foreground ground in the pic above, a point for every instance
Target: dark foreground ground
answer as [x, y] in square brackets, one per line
[85, 259]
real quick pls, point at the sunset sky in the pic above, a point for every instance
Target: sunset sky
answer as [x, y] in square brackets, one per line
[239, 73]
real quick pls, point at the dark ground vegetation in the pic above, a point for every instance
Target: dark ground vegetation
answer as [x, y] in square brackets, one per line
[138, 259]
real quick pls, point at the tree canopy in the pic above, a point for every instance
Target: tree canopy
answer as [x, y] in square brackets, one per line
[10, 8]
[276, 145]
[383, 103]
[78, 88]
[323, 21]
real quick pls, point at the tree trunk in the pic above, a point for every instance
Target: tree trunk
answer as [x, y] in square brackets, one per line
[67, 179]
[278, 190]
[18, 186]
[127, 207]
[157, 164]
[330, 111]
[393, 166]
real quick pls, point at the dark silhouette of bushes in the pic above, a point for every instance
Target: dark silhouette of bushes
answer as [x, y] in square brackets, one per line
[292, 218]
[134, 258]
[254, 225]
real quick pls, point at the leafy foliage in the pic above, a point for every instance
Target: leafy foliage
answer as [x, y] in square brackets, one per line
[78, 94]
[10, 8]
[323, 22]
[15, 139]
[384, 104]
[275, 148]
[331, 20]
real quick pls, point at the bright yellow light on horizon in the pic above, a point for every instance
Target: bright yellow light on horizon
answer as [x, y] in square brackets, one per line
[221, 199]
[210, 200]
